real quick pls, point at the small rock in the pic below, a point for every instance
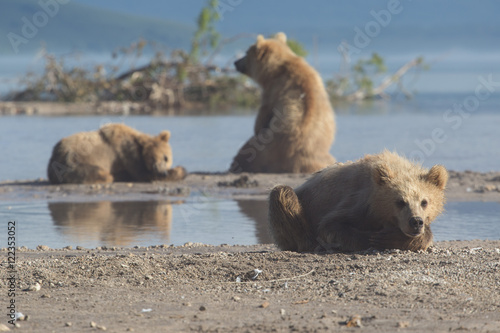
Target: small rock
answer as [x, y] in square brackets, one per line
[282, 312]
[93, 324]
[203, 308]
[354, 321]
[69, 247]
[148, 277]
[102, 328]
[403, 324]
[42, 248]
[20, 316]
[186, 304]
[4, 328]
[68, 324]
[236, 298]
[264, 305]
[35, 287]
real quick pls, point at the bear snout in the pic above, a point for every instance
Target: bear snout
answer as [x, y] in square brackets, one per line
[416, 224]
[241, 65]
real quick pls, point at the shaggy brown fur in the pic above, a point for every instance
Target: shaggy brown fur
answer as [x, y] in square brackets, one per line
[381, 201]
[114, 153]
[295, 125]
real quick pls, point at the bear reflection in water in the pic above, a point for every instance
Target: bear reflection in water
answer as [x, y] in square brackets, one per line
[111, 223]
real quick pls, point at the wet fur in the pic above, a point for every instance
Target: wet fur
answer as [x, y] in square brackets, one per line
[352, 207]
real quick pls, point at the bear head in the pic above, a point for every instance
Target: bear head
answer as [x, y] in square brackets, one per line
[264, 59]
[407, 196]
[157, 155]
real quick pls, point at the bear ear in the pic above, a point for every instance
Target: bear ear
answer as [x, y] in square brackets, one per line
[281, 37]
[260, 39]
[164, 136]
[382, 174]
[438, 176]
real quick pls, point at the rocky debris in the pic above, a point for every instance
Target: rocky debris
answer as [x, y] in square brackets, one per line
[241, 182]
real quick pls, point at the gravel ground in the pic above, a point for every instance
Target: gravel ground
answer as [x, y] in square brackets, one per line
[200, 288]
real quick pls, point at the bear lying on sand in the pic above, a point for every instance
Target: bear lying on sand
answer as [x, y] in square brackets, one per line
[382, 201]
[295, 125]
[114, 153]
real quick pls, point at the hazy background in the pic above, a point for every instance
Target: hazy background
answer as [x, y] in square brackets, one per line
[459, 39]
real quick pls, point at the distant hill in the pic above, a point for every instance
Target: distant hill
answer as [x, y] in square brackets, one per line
[102, 26]
[84, 28]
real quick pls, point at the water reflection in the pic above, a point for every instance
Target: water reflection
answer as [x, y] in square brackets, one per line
[257, 211]
[115, 223]
[205, 220]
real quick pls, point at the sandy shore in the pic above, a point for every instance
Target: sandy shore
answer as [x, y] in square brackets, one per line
[454, 286]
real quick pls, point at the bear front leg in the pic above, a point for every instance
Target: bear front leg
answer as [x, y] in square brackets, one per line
[288, 225]
[339, 233]
[394, 238]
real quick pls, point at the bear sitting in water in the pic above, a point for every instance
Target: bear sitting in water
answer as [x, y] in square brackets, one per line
[382, 201]
[114, 153]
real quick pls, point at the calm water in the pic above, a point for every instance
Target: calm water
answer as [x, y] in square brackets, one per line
[208, 143]
[208, 220]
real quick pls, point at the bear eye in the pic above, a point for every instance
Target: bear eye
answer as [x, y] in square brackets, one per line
[165, 158]
[424, 203]
[401, 203]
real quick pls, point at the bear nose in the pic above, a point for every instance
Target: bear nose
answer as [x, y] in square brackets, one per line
[416, 222]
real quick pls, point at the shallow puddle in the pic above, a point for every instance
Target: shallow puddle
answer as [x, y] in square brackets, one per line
[204, 219]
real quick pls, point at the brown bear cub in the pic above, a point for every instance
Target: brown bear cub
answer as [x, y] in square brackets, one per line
[114, 153]
[382, 201]
[295, 125]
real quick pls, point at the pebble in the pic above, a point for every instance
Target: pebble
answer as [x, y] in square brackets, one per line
[354, 321]
[42, 248]
[35, 287]
[68, 324]
[203, 308]
[282, 312]
[264, 305]
[236, 298]
[403, 324]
